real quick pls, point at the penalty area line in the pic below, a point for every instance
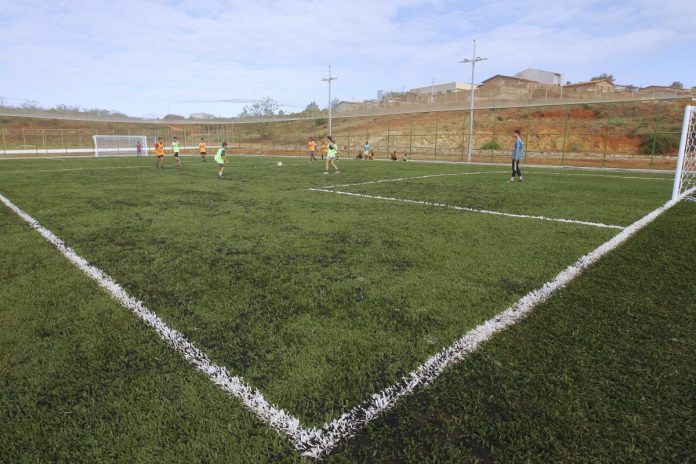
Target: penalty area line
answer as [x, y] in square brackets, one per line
[471, 210]
[401, 179]
[344, 427]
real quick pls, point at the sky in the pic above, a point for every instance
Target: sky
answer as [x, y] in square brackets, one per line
[149, 58]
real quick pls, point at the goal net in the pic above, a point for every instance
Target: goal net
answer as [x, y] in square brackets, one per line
[685, 174]
[120, 145]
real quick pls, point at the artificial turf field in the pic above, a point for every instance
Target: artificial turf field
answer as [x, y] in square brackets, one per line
[321, 298]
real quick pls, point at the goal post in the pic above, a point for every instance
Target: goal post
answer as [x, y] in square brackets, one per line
[685, 173]
[120, 145]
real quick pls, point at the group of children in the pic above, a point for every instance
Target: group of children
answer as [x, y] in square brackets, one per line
[329, 150]
[202, 150]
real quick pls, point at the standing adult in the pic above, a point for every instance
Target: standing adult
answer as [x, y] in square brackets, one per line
[517, 154]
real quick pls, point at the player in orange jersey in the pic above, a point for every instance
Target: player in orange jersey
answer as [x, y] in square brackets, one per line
[159, 153]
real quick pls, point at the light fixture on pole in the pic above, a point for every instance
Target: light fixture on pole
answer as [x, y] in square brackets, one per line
[473, 61]
[329, 79]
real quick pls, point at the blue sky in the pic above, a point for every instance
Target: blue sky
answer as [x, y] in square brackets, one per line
[151, 57]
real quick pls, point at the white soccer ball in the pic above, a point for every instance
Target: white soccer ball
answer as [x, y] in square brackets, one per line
[280, 163]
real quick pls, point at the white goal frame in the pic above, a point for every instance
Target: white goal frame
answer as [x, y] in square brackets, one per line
[685, 173]
[119, 145]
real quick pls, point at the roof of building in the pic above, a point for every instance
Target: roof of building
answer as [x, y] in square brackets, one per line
[587, 83]
[498, 76]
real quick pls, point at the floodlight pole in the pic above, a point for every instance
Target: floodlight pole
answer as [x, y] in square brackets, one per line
[473, 61]
[329, 79]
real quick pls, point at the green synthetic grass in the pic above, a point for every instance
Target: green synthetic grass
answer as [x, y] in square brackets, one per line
[317, 300]
[603, 372]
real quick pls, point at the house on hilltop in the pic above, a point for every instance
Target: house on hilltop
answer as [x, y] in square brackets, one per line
[542, 77]
[507, 87]
[596, 86]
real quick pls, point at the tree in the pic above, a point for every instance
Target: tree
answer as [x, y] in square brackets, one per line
[62, 108]
[266, 107]
[609, 77]
[30, 105]
[677, 85]
[173, 116]
[311, 110]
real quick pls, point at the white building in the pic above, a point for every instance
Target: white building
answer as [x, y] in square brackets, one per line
[442, 89]
[542, 77]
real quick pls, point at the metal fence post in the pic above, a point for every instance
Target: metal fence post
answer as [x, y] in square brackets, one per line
[657, 126]
[437, 118]
[493, 135]
[410, 140]
[606, 136]
[463, 134]
[526, 137]
[388, 133]
[565, 135]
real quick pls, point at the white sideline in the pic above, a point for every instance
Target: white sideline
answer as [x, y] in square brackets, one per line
[472, 210]
[350, 422]
[252, 398]
[315, 442]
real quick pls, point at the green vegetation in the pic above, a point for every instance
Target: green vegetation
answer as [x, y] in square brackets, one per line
[659, 143]
[491, 145]
[320, 300]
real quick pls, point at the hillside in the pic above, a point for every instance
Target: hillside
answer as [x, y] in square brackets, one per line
[626, 134]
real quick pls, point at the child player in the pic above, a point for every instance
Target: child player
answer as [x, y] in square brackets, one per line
[175, 149]
[220, 158]
[331, 151]
[202, 150]
[159, 153]
[312, 146]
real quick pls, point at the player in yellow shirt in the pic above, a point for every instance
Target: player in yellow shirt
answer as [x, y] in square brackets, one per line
[159, 153]
[202, 149]
[312, 146]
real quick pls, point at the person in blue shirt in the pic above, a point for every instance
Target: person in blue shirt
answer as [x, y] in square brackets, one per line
[517, 154]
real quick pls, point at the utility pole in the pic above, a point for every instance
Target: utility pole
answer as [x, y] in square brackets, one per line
[329, 79]
[473, 61]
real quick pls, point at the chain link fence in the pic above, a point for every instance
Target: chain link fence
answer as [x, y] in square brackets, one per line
[636, 134]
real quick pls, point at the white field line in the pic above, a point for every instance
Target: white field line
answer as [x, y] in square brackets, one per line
[78, 169]
[252, 398]
[346, 425]
[472, 210]
[315, 442]
[400, 179]
[140, 166]
[611, 176]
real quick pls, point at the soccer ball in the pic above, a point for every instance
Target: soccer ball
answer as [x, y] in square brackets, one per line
[280, 163]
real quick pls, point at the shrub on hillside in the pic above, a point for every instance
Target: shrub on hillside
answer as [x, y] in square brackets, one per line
[664, 143]
[490, 145]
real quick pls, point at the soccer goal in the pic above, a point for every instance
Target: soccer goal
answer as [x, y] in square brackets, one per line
[685, 174]
[120, 145]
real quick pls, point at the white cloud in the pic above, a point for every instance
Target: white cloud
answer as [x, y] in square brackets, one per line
[145, 56]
